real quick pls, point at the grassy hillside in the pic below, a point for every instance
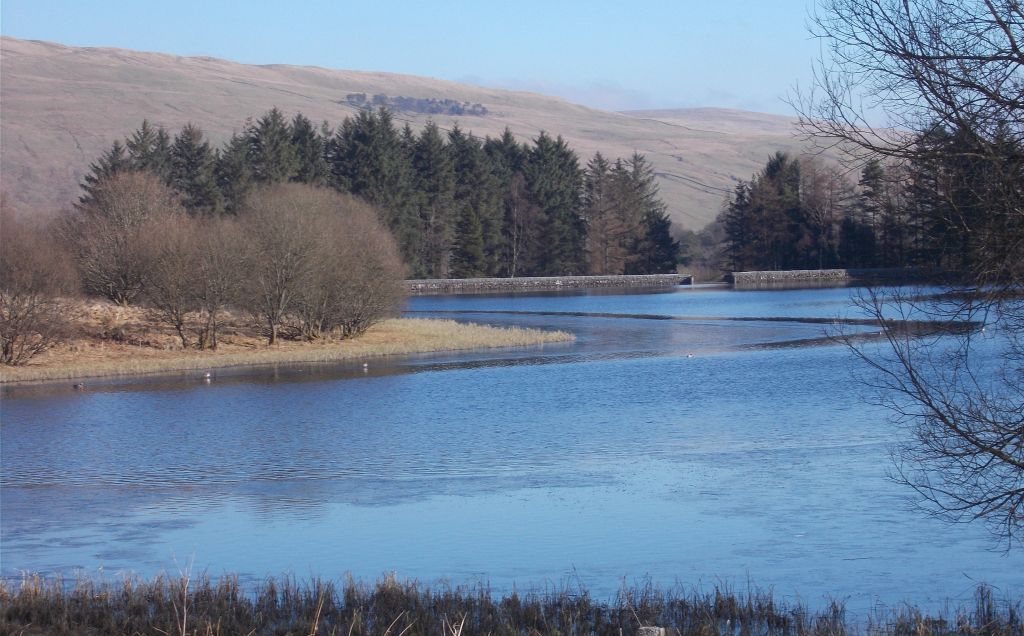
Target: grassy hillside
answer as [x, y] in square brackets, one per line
[62, 106]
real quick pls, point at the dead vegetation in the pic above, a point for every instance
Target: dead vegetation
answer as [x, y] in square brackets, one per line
[200, 606]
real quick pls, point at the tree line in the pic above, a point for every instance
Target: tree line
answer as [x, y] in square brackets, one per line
[427, 105]
[933, 209]
[301, 262]
[458, 206]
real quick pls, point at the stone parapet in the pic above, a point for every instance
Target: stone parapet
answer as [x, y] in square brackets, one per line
[825, 277]
[539, 283]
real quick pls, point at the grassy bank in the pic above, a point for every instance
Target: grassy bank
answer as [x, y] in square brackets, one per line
[137, 347]
[202, 606]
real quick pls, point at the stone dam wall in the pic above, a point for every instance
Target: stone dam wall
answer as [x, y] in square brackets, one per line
[539, 283]
[828, 277]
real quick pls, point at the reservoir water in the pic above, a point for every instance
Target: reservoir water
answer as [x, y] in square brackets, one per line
[697, 437]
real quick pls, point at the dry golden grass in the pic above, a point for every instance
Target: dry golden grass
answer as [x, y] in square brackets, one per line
[119, 341]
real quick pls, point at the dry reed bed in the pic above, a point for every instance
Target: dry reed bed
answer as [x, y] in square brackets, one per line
[201, 606]
[397, 336]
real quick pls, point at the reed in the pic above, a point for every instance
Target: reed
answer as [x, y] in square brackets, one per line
[398, 336]
[390, 607]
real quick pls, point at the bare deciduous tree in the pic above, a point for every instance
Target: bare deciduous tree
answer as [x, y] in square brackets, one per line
[935, 68]
[318, 261]
[104, 233]
[958, 390]
[219, 251]
[823, 193]
[169, 256]
[34, 274]
[363, 282]
[279, 230]
[354, 275]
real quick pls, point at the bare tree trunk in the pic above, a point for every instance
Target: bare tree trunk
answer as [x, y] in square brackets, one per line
[180, 328]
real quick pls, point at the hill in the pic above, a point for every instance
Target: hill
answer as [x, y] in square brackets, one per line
[63, 106]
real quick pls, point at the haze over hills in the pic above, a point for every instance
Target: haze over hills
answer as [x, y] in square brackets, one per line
[62, 106]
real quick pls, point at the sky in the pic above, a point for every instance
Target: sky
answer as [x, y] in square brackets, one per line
[613, 55]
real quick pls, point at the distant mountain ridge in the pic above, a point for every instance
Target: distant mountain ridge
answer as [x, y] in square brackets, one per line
[62, 106]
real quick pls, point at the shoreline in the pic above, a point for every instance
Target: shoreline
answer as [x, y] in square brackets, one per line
[394, 337]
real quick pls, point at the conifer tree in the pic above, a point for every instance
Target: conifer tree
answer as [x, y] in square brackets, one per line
[507, 158]
[310, 161]
[110, 163]
[435, 189]
[477, 196]
[506, 154]
[655, 250]
[407, 141]
[738, 222]
[149, 149]
[555, 185]
[468, 259]
[652, 249]
[606, 226]
[272, 157]
[192, 172]
[232, 172]
[367, 159]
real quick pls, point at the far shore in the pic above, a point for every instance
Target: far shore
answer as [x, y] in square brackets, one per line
[397, 336]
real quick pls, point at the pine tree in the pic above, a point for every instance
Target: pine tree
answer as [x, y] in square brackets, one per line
[738, 222]
[507, 155]
[367, 159]
[604, 253]
[555, 185]
[150, 149]
[191, 175]
[871, 192]
[766, 226]
[272, 157]
[310, 161]
[507, 158]
[656, 251]
[778, 191]
[435, 189]
[232, 172]
[476, 195]
[856, 243]
[110, 163]
[468, 254]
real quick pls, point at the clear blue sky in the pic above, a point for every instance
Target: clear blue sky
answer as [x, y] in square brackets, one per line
[728, 53]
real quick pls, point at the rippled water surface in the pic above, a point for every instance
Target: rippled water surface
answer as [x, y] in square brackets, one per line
[699, 436]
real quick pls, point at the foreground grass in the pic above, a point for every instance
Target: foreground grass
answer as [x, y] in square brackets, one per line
[204, 607]
[391, 337]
